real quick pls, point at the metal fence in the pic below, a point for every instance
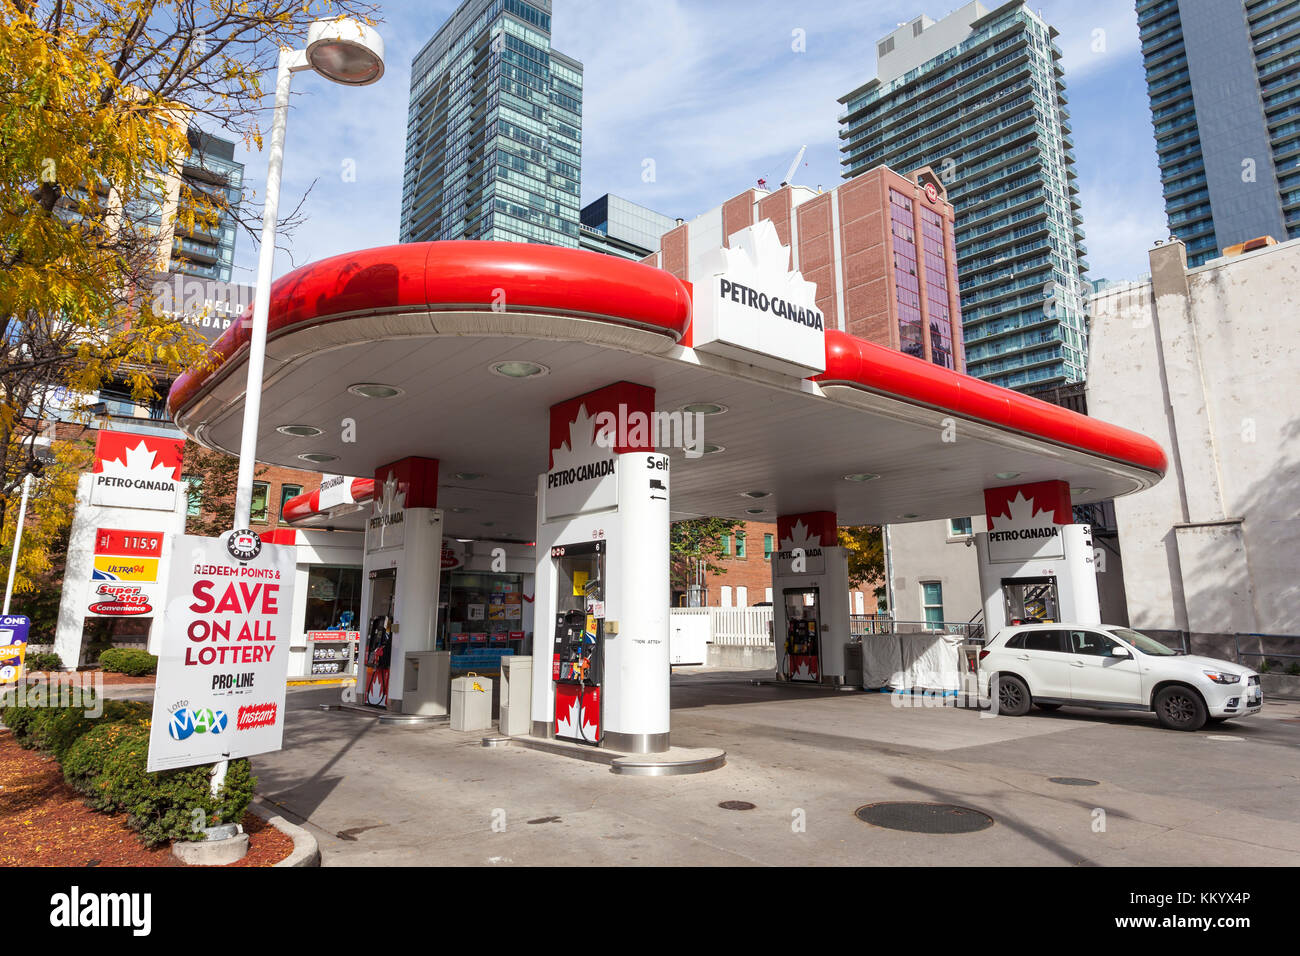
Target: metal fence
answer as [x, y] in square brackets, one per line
[1262, 654]
[864, 625]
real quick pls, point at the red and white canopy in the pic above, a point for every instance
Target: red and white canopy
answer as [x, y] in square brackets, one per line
[432, 320]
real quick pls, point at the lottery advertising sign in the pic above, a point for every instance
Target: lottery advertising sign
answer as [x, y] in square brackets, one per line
[225, 651]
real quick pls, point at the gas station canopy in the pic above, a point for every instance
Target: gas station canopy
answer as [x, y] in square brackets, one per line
[401, 351]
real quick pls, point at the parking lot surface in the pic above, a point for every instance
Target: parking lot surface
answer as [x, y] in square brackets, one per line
[806, 759]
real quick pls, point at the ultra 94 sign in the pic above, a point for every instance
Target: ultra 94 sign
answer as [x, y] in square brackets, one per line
[225, 653]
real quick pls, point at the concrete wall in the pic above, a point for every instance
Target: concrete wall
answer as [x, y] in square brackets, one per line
[925, 551]
[1205, 363]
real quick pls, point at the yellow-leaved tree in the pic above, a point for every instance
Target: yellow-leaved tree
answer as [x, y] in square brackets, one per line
[97, 102]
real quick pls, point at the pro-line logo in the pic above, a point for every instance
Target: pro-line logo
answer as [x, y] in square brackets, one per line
[184, 722]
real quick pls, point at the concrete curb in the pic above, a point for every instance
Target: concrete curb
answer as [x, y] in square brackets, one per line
[306, 851]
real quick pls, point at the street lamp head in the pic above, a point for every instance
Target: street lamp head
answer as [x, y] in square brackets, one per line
[346, 51]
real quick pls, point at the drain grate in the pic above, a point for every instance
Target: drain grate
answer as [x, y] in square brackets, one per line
[1073, 781]
[736, 805]
[924, 817]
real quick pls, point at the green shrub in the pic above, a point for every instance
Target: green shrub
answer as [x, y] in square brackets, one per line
[44, 661]
[20, 721]
[128, 660]
[64, 726]
[108, 765]
[55, 729]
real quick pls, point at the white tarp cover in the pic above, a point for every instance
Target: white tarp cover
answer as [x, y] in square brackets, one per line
[929, 661]
[882, 660]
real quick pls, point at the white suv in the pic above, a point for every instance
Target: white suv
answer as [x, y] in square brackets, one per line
[1100, 665]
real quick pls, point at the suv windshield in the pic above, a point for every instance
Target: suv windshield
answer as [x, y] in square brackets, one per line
[1147, 645]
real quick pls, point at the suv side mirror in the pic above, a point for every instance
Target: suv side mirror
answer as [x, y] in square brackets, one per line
[1122, 653]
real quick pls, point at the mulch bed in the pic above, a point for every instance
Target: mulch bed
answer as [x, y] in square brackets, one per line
[43, 822]
[110, 680]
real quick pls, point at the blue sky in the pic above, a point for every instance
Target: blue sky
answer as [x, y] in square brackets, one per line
[713, 92]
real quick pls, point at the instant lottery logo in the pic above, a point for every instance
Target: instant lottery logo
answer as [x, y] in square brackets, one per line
[256, 715]
[185, 722]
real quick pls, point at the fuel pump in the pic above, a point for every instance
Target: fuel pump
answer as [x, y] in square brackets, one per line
[578, 655]
[802, 657]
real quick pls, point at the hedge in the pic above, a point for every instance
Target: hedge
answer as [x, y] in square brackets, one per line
[103, 758]
[44, 661]
[107, 765]
[128, 660]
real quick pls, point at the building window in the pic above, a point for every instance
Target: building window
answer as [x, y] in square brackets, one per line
[959, 527]
[724, 596]
[287, 492]
[767, 547]
[742, 597]
[194, 496]
[726, 544]
[932, 604]
[740, 544]
[257, 513]
[331, 591]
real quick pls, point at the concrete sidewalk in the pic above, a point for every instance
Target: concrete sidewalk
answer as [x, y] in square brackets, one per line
[806, 758]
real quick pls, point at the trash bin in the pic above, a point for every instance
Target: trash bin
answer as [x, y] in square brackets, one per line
[471, 703]
[853, 663]
[516, 695]
[425, 683]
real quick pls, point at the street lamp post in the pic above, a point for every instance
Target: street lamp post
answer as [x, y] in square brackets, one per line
[348, 52]
[18, 540]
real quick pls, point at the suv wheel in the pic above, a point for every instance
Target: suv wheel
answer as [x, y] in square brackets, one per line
[1013, 696]
[1179, 707]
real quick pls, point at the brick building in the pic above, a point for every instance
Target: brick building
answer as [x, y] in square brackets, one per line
[881, 249]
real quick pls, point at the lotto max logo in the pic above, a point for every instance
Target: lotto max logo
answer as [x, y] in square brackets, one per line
[186, 722]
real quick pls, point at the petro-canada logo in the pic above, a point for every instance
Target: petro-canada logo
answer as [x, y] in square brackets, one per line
[244, 545]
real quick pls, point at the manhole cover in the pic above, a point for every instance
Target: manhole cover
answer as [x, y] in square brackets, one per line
[736, 805]
[1073, 781]
[924, 817]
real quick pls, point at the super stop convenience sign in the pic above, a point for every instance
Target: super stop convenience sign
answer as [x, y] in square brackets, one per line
[225, 651]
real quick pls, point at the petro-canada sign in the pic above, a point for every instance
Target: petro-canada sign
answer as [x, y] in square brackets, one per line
[751, 307]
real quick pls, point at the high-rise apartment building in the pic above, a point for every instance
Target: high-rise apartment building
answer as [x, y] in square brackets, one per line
[494, 130]
[207, 251]
[1224, 83]
[979, 97]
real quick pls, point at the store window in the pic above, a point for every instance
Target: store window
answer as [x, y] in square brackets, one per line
[484, 610]
[287, 492]
[261, 496]
[957, 527]
[767, 547]
[332, 593]
[932, 604]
